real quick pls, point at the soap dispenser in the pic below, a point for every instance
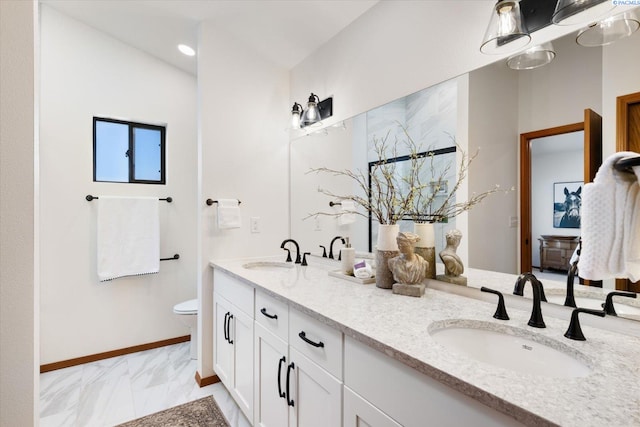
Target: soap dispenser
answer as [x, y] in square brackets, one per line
[348, 257]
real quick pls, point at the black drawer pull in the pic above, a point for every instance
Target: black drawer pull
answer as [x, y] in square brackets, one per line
[224, 328]
[229, 328]
[280, 393]
[290, 368]
[270, 316]
[308, 341]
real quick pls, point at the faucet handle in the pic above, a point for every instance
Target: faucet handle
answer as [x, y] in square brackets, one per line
[324, 251]
[608, 305]
[288, 254]
[501, 311]
[575, 331]
[304, 258]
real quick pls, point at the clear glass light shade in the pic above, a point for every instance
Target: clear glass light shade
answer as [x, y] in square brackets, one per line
[608, 31]
[506, 31]
[311, 115]
[296, 112]
[535, 57]
[571, 12]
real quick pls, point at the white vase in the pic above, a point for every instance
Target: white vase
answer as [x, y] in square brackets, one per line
[386, 248]
[426, 232]
[387, 235]
[426, 246]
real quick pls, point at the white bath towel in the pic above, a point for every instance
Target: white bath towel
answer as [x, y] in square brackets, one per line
[128, 237]
[631, 242]
[347, 216]
[229, 214]
[605, 204]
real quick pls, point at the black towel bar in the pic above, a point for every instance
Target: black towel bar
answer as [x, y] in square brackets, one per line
[176, 256]
[210, 202]
[332, 204]
[625, 165]
[89, 198]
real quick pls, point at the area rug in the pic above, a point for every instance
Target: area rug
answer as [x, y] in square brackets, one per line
[199, 413]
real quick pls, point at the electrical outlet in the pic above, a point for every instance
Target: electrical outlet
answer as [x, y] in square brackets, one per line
[513, 222]
[318, 225]
[255, 224]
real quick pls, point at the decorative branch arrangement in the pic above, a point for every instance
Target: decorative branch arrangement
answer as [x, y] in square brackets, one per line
[392, 196]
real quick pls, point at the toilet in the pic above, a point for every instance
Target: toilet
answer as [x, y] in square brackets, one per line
[187, 311]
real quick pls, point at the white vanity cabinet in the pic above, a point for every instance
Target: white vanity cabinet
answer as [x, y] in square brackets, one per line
[233, 338]
[406, 396]
[297, 380]
[360, 413]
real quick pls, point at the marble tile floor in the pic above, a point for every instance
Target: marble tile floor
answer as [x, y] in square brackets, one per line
[112, 391]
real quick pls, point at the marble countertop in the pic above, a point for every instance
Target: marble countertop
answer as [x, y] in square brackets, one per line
[398, 326]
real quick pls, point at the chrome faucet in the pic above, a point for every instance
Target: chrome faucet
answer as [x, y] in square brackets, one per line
[331, 247]
[536, 319]
[297, 249]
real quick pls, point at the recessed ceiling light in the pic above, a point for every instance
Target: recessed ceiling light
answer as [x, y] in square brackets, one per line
[187, 50]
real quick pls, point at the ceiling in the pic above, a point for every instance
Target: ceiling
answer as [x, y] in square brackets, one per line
[283, 31]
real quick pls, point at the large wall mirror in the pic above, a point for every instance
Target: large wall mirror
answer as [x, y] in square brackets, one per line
[487, 108]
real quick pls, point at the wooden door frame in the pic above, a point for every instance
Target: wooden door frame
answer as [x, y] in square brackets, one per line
[525, 187]
[622, 144]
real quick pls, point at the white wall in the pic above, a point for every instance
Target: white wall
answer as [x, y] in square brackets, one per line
[19, 373]
[619, 77]
[243, 115]
[87, 73]
[557, 94]
[493, 134]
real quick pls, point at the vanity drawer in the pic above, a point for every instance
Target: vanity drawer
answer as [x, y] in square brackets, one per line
[236, 291]
[273, 314]
[319, 342]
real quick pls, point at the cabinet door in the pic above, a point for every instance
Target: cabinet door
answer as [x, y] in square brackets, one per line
[241, 333]
[222, 348]
[316, 394]
[360, 413]
[271, 363]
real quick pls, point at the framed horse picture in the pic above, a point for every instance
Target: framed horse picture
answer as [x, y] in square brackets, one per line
[567, 200]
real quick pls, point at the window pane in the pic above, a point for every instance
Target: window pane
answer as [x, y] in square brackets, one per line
[147, 144]
[112, 143]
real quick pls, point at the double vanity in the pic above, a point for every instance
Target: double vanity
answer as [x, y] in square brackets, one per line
[296, 346]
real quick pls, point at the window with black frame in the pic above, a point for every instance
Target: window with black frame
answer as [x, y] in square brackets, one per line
[436, 172]
[128, 152]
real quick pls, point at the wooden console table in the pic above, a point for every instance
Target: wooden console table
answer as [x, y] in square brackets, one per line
[556, 251]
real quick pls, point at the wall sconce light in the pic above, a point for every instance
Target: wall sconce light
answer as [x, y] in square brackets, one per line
[535, 57]
[609, 30]
[570, 12]
[316, 112]
[506, 31]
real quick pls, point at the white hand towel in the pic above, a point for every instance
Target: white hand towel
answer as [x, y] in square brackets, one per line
[229, 214]
[348, 216]
[604, 202]
[128, 237]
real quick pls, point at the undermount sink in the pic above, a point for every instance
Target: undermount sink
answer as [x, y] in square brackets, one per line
[267, 265]
[510, 348]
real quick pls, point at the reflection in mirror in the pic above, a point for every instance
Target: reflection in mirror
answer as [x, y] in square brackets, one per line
[429, 119]
[493, 105]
